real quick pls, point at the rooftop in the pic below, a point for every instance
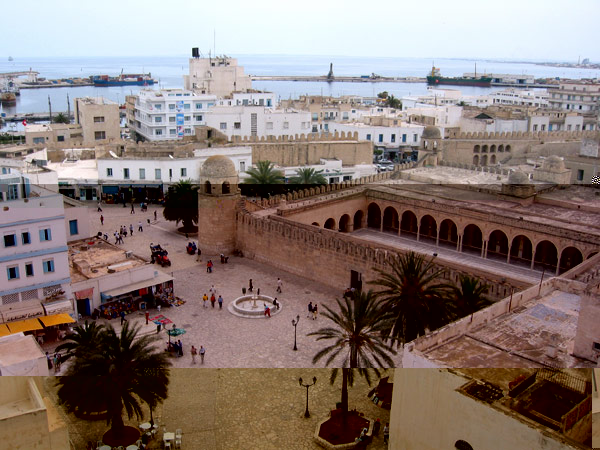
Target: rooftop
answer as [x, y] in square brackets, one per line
[93, 258]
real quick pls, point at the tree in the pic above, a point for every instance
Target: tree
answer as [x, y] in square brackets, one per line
[181, 204]
[413, 297]
[61, 118]
[115, 374]
[383, 95]
[264, 173]
[393, 102]
[357, 335]
[84, 341]
[469, 295]
[307, 175]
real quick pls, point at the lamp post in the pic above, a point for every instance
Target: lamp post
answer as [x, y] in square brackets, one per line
[306, 413]
[295, 324]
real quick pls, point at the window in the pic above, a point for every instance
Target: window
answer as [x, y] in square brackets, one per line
[60, 138]
[29, 269]
[198, 118]
[579, 178]
[48, 265]
[237, 125]
[186, 118]
[223, 125]
[368, 137]
[109, 172]
[381, 138]
[170, 173]
[345, 116]
[171, 106]
[38, 140]
[126, 174]
[198, 105]
[242, 166]
[171, 119]
[12, 272]
[404, 138]
[543, 127]
[25, 238]
[415, 137]
[45, 234]
[393, 138]
[157, 175]
[10, 240]
[187, 131]
[158, 106]
[186, 106]
[315, 116]
[142, 174]
[13, 192]
[569, 127]
[269, 125]
[183, 172]
[535, 127]
[286, 125]
[99, 119]
[158, 132]
[157, 119]
[99, 135]
[172, 131]
[73, 229]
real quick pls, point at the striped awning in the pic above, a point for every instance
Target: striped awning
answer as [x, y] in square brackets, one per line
[24, 325]
[56, 319]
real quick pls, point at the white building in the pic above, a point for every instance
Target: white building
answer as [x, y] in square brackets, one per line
[402, 135]
[522, 97]
[579, 96]
[151, 177]
[218, 76]
[333, 170]
[33, 250]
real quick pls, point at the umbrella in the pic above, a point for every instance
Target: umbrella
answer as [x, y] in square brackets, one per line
[175, 332]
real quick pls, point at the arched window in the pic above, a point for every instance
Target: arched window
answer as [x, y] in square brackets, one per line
[207, 188]
[225, 188]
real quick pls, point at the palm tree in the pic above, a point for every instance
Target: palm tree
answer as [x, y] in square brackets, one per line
[393, 102]
[307, 175]
[264, 173]
[470, 295]
[181, 204]
[84, 341]
[61, 118]
[357, 336]
[413, 297]
[116, 374]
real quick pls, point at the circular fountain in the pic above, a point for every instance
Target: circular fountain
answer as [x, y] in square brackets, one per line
[253, 306]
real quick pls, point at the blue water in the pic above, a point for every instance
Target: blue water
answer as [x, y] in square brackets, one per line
[169, 71]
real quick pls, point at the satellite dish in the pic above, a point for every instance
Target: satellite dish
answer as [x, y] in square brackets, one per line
[171, 156]
[113, 154]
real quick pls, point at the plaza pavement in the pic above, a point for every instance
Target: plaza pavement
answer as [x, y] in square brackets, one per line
[230, 341]
[220, 409]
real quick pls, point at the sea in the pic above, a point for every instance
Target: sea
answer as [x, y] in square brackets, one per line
[169, 71]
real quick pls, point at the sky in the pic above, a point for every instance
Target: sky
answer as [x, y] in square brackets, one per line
[550, 30]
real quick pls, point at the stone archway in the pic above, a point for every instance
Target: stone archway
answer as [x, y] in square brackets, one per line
[390, 220]
[476, 149]
[226, 188]
[358, 219]
[475, 160]
[344, 224]
[521, 251]
[484, 160]
[546, 256]
[493, 159]
[408, 225]
[374, 216]
[330, 224]
[316, 224]
[569, 258]
[207, 188]
[428, 229]
[448, 234]
[472, 239]
[497, 245]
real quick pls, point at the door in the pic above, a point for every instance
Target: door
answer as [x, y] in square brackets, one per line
[356, 280]
[83, 307]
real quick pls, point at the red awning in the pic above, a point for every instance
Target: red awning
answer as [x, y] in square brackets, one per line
[86, 293]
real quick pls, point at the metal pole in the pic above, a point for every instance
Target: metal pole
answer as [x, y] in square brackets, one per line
[306, 413]
[295, 324]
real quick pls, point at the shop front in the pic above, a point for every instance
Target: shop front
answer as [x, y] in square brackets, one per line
[138, 193]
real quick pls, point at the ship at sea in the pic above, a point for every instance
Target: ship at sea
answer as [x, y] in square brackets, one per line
[435, 79]
[132, 79]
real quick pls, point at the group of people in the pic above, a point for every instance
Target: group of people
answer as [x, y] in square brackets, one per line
[122, 232]
[54, 361]
[213, 298]
[312, 310]
[194, 351]
[176, 347]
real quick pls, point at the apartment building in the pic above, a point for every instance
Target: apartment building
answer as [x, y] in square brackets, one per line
[581, 96]
[218, 76]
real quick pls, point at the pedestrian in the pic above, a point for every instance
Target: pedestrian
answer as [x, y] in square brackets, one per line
[59, 359]
[101, 219]
[140, 226]
[49, 360]
[213, 289]
[250, 287]
[279, 285]
[212, 300]
[202, 352]
[155, 215]
[315, 311]
[117, 237]
[132, 209]
[220, 300]
[131, 229]
[180, 345]
[123, 319]
[275, 303]
[204, 300]
[267, 311]
[147, 317]
[199, 257]
[309, 309]
[386, 433]
[99, 207]
[194, 352]
[55, 361]
[209, 266]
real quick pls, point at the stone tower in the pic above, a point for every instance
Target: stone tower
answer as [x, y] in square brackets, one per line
[218, 198]
[431, 146]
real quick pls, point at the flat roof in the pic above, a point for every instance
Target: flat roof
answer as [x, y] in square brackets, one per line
[93, 261]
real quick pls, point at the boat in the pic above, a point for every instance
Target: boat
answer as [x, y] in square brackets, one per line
[435, 79]
[124, 79]
[8, 98]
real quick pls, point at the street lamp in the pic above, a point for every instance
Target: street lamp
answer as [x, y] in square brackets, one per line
[306, 413]
[295, 324]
